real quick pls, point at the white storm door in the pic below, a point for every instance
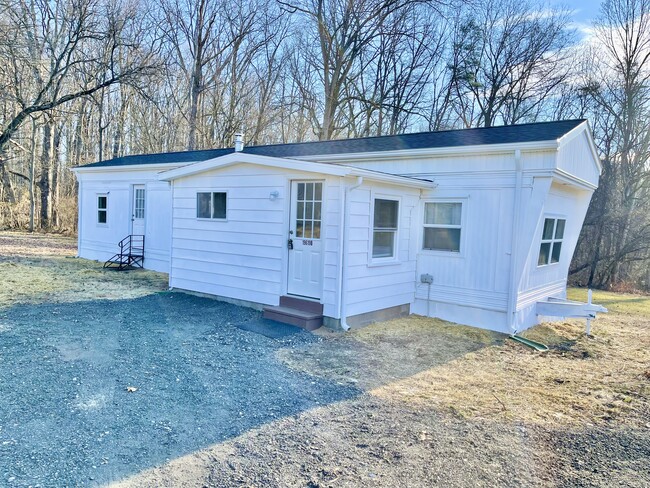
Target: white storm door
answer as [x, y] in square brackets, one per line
[137, 214]
[305, 250]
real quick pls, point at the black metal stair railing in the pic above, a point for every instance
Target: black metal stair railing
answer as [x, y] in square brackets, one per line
[131, 254]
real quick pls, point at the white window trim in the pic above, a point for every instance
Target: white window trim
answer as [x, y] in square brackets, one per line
[551, 241]
[394, 259]
[97, 209]
[463, 227]
[210, 219]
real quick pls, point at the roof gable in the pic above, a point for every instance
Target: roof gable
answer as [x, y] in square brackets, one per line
[291, 164]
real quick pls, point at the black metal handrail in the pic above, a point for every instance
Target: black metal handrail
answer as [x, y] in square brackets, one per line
[131, 253]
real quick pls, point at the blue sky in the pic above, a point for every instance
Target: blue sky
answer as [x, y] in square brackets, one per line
[585, 10]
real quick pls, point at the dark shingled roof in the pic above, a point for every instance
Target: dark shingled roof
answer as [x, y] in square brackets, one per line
[536, 132]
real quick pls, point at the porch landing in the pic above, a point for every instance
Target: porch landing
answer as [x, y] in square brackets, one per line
[296, 311]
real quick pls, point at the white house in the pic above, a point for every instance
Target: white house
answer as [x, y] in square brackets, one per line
[475, 226]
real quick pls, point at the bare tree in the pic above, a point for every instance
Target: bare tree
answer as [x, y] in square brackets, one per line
[507, 58]
[615, 244]
[340, 32]
[59, 51]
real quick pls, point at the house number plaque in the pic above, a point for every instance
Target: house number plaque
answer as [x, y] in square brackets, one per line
[307, 242]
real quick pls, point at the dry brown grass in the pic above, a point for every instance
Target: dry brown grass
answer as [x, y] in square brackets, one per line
[37, 268]
[579, 379]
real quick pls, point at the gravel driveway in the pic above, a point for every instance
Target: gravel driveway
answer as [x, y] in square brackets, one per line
[410, 402]
[67, 417]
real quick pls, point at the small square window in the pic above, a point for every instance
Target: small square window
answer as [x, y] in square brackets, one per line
[211, 205]
[442, 226]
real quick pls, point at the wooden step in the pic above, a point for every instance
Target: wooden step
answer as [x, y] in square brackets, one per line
[300, 318]
[301, 304]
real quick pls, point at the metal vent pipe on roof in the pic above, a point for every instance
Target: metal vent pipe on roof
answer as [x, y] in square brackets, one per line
[239, 142]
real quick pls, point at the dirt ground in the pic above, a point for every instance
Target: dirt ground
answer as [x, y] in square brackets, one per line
[436, 404]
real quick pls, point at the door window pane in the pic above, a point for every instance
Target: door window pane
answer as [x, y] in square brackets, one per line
[139, 203]
[308, 209]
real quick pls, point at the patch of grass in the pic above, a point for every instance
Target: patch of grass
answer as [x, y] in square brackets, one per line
[623, 303]
[421, 328]
[579, 380]
[36, 268]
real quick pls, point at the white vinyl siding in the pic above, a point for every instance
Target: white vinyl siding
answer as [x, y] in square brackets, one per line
[246, 257]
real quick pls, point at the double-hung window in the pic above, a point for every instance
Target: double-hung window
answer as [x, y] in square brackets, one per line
[102, 209]
[211, 205]
[551, 245]
[442, 226]
[384, 229]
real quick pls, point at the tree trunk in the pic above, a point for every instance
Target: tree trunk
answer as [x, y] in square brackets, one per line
[32, 164]
[7, 187]
[45, 182]
[55, 168]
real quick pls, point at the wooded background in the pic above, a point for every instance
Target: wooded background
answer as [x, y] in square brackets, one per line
[87, 80]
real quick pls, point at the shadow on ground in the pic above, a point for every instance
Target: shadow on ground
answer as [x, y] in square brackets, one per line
[67, 417]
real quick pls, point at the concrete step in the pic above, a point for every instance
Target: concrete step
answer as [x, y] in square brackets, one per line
[301, 304]
[300, 318]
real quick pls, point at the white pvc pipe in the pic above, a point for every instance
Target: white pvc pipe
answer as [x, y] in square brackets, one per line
[344, 250]
[512, 295]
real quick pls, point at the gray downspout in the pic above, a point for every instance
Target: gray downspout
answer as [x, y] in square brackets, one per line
[344, 250]
[514, 249]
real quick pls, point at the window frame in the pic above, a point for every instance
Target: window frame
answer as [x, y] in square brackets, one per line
[552, 241]
[211, 218]
[98, 209]
[136, 189]
[378, 261]
[463, 227]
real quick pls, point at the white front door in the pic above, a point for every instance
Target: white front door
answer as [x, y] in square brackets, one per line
[137, 214]
[305, 255]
